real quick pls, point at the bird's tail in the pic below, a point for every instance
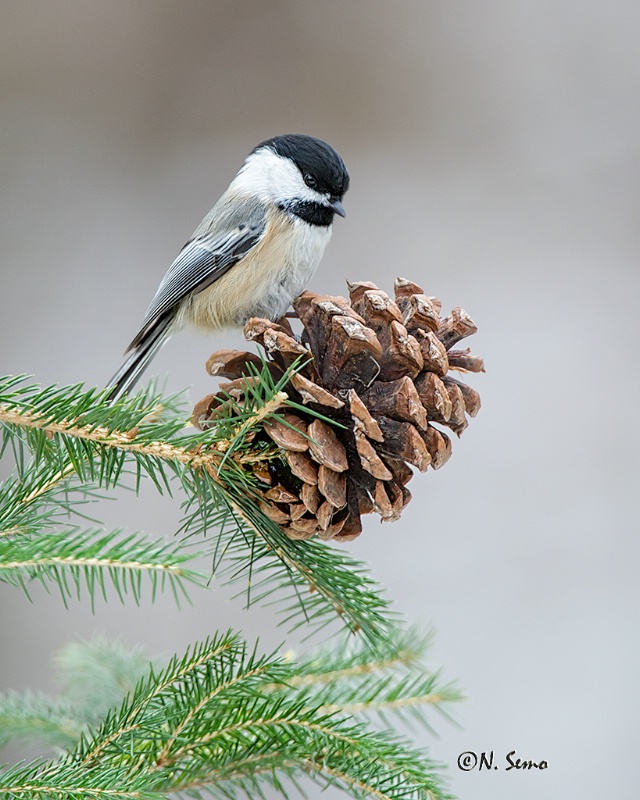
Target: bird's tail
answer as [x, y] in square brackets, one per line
[137, 361]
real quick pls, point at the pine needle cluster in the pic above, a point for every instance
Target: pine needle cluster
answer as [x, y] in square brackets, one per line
[221, 720]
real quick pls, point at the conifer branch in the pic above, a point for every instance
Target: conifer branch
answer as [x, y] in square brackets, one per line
[78, 442]
[73, 557]
[303, 680]
[391, 680]
[30, 716]
[112, 439]
[208, 721]
[381, 705]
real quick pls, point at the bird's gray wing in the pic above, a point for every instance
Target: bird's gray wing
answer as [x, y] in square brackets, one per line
[224, 237]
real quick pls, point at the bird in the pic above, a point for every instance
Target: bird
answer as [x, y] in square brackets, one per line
[252, 254]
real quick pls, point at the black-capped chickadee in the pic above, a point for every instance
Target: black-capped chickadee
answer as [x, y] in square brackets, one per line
[253, 253]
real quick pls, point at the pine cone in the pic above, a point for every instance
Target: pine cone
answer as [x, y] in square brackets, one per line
[379, 368]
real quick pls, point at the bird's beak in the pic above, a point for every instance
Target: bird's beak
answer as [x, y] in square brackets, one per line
[338, 208]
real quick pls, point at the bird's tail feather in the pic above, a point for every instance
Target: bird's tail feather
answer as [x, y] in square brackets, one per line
[136, 363]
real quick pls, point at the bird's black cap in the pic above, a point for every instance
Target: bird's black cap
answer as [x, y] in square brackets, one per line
[312, 157]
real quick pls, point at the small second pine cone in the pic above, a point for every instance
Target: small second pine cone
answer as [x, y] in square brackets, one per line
[378, 367]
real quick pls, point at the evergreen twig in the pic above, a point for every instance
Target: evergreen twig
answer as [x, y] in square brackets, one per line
[73, 430]
[214, 722]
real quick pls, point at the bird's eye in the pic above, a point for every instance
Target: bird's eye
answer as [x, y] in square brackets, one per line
[310, 181]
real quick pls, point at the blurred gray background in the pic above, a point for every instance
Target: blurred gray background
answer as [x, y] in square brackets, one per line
[494, 156]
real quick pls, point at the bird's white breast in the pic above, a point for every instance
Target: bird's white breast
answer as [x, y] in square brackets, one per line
[266, 280]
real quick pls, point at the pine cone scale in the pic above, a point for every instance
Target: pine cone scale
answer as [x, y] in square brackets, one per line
[325, 447]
